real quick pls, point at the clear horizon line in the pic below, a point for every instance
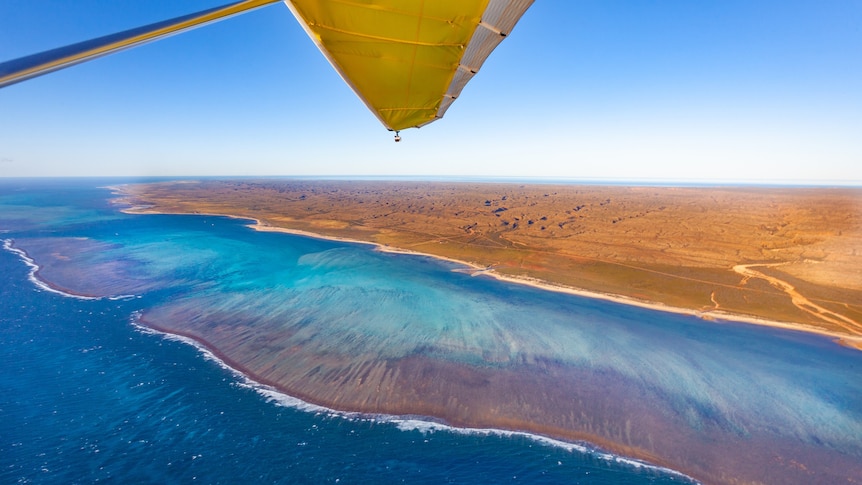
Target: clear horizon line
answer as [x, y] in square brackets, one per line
[478, 178]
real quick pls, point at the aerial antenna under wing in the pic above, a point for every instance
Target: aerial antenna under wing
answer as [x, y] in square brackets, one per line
[407, 77]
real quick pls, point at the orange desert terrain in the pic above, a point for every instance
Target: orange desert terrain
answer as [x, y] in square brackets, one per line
[769, 255]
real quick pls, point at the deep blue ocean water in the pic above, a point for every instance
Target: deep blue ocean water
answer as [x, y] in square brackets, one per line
[87, 395]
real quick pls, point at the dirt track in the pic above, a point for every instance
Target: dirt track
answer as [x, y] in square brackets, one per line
[688, 247]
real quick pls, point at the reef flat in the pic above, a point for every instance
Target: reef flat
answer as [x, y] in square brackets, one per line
[785, 256]
[355, 329]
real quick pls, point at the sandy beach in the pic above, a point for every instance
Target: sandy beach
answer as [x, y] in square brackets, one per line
[712, 315]
[475, 354]
[843, 329]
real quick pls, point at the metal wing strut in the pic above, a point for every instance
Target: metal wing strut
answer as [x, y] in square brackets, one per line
[24, 68]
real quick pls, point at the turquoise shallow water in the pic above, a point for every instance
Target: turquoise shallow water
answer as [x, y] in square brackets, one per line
[99, 398]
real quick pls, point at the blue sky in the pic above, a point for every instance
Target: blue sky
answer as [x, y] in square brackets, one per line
[716, 91]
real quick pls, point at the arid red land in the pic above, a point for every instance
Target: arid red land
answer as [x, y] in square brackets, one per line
[786, 255]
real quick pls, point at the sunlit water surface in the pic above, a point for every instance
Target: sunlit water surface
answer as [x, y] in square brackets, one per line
[88, 394]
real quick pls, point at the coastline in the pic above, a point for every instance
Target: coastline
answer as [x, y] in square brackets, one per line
[477, 270]
[841, 339]
[580, 441]
[201, 341]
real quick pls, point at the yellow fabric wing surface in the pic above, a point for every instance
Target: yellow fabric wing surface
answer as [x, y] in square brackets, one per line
[406, 58]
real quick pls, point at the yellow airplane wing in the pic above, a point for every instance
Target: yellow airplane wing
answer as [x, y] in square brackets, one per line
[407, 59]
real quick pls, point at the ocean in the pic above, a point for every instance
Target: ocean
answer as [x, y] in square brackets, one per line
[90, 393]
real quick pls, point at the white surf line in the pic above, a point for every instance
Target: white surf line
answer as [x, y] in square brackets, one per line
[403, 423]
[7, 245]
[410, 424]
[490, 271]
[798, 299]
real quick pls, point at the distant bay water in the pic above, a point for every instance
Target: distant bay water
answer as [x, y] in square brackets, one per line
[89, 394]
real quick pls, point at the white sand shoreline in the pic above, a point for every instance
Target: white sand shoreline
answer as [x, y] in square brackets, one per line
[711, 315]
